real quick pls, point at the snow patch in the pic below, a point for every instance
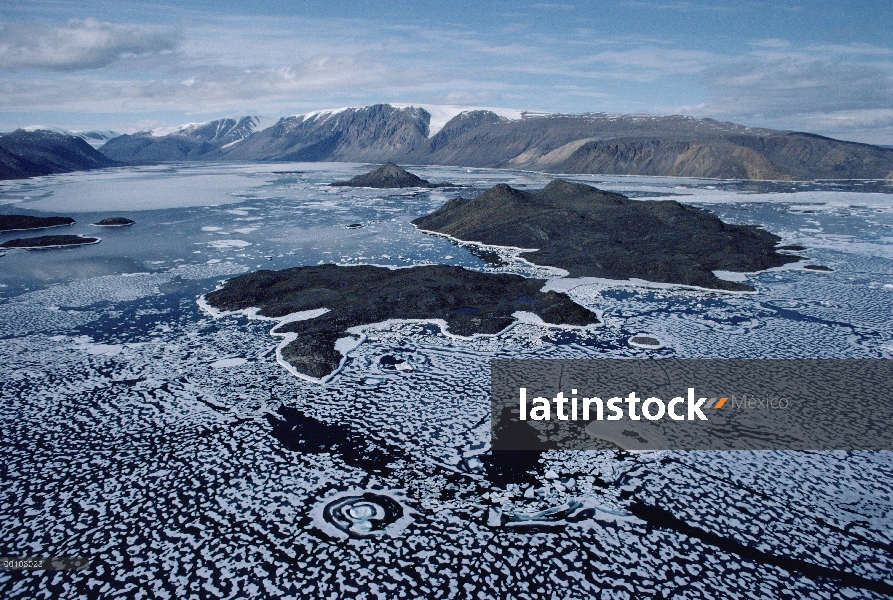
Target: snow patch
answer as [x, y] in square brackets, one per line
[224, 244]
[224, 363]
[442, 114]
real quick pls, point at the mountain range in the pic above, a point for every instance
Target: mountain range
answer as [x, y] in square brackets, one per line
[594, 143]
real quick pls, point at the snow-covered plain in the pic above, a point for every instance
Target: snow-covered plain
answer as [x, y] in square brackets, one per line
[172, 449]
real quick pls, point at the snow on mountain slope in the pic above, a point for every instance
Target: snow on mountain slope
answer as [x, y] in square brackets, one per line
[441, 114]
[232, 128]
[95, 138]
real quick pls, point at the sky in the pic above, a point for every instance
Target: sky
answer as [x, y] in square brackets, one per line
[822, 66]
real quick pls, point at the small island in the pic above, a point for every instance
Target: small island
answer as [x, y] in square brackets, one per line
[468, 301]
[26, 223]
[114, 222]
[49, 241]
[389, 175]
[592, 233]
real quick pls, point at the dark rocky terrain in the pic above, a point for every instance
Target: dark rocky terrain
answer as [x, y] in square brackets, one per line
[592, 233]
[26, 222]
[470, 302]
[588, 143]
[49, 241]
[31, 153]
[388, 175]
[114, 222]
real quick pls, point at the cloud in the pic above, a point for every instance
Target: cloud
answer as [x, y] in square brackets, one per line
[854, 49]
[458, 98]
[771, 43]
[798, 86]
[647, 63]
[79, 44]
[321, 78]
[850, 100]
[679, 6]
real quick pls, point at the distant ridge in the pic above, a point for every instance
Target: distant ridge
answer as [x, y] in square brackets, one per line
[595, 143]
[591, 143]
[42, 152]
[196, 141]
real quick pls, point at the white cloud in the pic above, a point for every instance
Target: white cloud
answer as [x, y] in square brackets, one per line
[795, 86]
[771, 43]
[800, 91]
[680, 6]
[78, 44]
[647, 63]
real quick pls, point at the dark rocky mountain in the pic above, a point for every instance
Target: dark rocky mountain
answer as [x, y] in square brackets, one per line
[592, 233]
[462, 124]
[41, 152]
[588, 143]
[16, 167]
[202, 141]
[388, 175]
[143, 147]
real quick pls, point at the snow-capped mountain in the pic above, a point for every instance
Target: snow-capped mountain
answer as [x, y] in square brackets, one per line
[192, 141]
[95, 138]
[504, 138]
[225, 130]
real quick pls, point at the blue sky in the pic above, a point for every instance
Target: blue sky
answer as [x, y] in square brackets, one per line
[820, 66]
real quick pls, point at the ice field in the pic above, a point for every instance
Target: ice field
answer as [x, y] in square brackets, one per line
[170, 448]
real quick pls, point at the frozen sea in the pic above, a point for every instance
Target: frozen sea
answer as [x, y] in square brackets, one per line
[171, 449]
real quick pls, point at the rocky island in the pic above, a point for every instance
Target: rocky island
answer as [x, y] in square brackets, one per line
[114, 222]
[389, 175]
[468, 301]
[49, 241]
[26, 222]
[593, 233]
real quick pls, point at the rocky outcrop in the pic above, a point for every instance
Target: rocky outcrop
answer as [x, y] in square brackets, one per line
[26, 222]
[470, 302]
[388, 175]
[49, 241]
[114, 222]
[593, 233]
